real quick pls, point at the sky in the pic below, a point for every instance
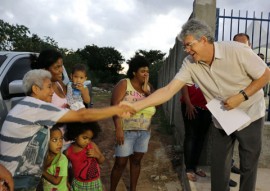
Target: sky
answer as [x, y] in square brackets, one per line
[126, 25]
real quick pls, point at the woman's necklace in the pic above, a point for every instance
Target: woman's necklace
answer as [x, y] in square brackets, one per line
[60, 89]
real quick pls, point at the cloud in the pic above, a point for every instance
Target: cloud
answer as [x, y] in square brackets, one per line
[127, 25]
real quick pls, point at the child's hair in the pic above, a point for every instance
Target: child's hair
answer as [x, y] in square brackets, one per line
[73, 130]
[79, 67]
[54, 128]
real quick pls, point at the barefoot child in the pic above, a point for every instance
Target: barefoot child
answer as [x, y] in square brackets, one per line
[77, 93]
[85, 156]
[55, 164]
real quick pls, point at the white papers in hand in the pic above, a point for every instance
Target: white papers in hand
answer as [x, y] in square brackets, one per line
[230, 120]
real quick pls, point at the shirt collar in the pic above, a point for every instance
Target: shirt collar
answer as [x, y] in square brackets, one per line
[218, 52]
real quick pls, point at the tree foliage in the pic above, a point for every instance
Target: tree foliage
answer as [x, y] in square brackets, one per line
[105, 62]
[18, 38]
[70, 59]
[153, 56]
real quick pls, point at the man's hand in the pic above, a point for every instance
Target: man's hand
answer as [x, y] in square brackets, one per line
[128, 109]
[233, 101]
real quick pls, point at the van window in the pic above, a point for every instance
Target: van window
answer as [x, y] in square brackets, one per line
[2, 59]
[16, 72]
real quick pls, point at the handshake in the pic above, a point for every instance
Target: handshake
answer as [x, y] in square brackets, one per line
[126, 109]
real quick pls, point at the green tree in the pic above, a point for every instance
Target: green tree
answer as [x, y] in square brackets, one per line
[18, 38]
[10, 34]
[70, 59]
[105, 62]
[153, 56]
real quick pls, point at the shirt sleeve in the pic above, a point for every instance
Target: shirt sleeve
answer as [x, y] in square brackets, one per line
[253, 64]
[47, 114]
[184, 74]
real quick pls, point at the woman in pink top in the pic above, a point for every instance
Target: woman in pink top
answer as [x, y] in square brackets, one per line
[52, 60]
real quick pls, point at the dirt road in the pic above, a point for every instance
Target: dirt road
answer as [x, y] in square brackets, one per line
[157, 173]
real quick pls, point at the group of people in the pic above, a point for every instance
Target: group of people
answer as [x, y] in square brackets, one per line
[229, 71]
[56, 112]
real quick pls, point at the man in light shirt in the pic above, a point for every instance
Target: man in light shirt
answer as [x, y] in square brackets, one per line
[232, 72]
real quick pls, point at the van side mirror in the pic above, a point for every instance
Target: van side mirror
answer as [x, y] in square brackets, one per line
[16, 87]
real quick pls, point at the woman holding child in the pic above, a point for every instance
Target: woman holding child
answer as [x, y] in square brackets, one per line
[52, 61]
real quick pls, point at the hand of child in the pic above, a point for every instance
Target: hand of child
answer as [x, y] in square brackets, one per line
[92, 153]
[79, 86]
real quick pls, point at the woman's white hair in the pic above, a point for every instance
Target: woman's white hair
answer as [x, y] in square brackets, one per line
[34, 77]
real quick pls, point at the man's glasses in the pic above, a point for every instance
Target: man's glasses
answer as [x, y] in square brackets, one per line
[188, 45]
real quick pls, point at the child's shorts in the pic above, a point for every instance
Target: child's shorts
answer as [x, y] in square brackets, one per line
[135, 141]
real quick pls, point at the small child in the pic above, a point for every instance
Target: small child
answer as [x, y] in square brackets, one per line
[77, 93]
[85, 156]
[55, 164]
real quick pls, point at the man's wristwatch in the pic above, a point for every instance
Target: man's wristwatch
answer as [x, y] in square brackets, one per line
[244, 94]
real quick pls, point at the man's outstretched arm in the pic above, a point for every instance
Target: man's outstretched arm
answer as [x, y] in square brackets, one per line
[160, 96]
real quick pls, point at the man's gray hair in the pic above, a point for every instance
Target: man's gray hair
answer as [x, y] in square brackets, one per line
[197, 29]
[34, 77]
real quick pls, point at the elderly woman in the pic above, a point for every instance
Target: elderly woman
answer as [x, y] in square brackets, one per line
[133, 134]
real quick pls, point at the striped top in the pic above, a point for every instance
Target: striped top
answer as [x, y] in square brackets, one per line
[24, 136]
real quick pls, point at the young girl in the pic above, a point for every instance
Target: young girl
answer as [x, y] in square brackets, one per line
[85, 156]
[77, 93]
[55, 164]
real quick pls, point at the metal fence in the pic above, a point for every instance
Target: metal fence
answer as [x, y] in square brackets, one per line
[256, 27]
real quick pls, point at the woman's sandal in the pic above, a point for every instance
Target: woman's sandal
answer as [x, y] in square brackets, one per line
[200, 173]
[191, 176]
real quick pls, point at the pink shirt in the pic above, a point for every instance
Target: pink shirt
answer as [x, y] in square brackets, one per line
[58, 101]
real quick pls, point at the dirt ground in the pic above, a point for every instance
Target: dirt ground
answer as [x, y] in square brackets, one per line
[157, 172]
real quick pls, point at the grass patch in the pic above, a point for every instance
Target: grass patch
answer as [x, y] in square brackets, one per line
[101, 97]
